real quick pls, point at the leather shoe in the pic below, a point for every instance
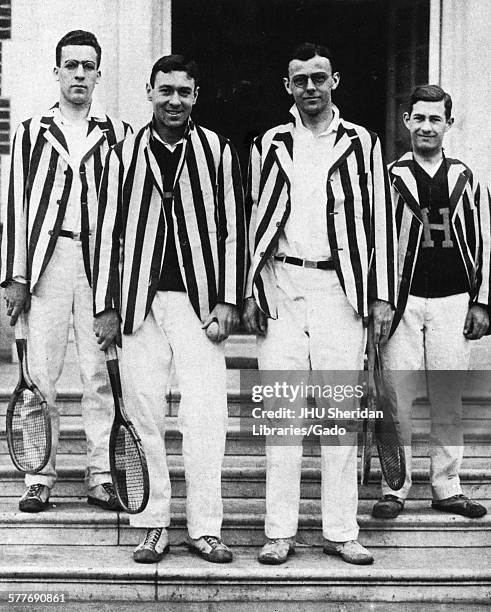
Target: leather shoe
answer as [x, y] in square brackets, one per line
[388, 507]
[210, 548]
[153, 547]
[104, 496]
[276, 551]
[35, 499]
[460, 504]
[351, 552]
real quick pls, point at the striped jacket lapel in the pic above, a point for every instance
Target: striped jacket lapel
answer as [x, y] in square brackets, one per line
[458, 183]
[154, 169]
[404, 182]
[283, 151]
[342, 148]
[95, 137]
[55, 137]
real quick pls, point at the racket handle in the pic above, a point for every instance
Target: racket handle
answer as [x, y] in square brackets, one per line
[21, 326]
[111, 352]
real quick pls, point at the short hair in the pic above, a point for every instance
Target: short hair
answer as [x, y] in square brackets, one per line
[78, 37]
[431, 93]
[308, 50]
[179, 63]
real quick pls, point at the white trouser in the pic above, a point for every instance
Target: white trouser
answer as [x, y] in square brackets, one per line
[63, 291]
[429, 336]
[172, 331]
[316, 329]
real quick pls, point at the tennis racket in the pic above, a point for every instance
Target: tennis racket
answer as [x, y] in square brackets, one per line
[28, 422]
[389, 445]
[368, 402]
[367, 440]
[129, 471]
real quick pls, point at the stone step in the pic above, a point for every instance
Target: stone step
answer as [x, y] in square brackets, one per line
[71, 521]
[409, 578]
[244, 477]
[475, 406]
[241, 442]
[477, 389]
[71, 394]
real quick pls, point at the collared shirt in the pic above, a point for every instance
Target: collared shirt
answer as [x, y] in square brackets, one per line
[171, 147]
[305, 232]
[76, 138]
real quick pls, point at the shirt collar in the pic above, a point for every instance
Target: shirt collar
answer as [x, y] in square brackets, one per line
[95, 112]
[154, 134]
[187, 132]
[333, 126]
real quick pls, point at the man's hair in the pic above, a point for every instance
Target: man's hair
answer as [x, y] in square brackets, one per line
[308, 50]
[78, 37]
[179, 63]
[431, 93]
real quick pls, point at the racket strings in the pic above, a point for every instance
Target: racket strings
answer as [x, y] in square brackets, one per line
[29, 431]
[391, 454]
[130, 477]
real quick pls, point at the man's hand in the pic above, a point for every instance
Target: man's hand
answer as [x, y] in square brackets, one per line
[18, 298]
[476, 323]
[107, 328]
[227, 317]
[254, 319]
[380, 315]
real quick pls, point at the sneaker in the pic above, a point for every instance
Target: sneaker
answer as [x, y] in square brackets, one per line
[210, 548]
[104, 496]
[460, 504]
[351, 552]
[35, 499]
[153, 547]
[276, 551]
[388, 507]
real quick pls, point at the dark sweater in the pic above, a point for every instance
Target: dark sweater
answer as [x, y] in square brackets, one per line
[439, 270]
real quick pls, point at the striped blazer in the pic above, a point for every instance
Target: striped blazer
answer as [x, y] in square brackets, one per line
[359, 215]
[470, 221]
[39, 189]
[209, 226]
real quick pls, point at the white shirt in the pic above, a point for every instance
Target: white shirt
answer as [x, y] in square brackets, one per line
[75, 135]
[305, 232]
[168, 145]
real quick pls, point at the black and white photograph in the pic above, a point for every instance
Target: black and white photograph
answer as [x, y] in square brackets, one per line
[245, 305]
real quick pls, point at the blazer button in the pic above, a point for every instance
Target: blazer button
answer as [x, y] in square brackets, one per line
[278, 224]
[261, 254]
[184, 243]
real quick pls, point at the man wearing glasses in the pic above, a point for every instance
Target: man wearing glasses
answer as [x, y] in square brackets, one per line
[322, 261]
[56, 167]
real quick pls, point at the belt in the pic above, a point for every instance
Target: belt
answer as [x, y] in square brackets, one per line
[305, 263]
[68, 234]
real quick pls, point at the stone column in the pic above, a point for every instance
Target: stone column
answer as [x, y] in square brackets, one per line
[460, 57]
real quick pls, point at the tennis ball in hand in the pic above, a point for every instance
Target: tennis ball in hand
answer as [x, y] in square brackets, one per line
[213, 331]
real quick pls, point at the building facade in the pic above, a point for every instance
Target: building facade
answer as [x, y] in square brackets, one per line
[383, 48]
